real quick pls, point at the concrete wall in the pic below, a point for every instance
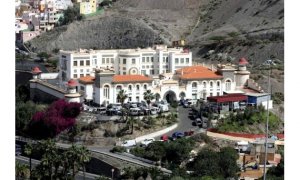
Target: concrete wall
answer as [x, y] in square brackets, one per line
[43, 92]
[49, 75]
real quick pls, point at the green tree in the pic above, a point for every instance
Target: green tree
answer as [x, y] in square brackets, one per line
[148, 96]
[179, 150]
[28, 151]
[277, 173]
[131, 122]
[71, 14]
[122, 96]
[228, 158]
[22, 171]
[156, 151]
[157, 96]
[206, 163]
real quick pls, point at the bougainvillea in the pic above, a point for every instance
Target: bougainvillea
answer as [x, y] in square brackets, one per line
[58, 117]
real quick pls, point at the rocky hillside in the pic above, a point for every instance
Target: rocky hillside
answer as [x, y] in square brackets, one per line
[219, 31]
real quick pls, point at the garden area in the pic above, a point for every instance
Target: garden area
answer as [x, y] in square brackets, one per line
[251, 120]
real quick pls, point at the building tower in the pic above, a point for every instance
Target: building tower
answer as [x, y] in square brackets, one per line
[242, 75]
[36, 72]
[72, 95]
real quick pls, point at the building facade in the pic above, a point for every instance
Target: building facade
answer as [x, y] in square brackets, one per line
[150, 61]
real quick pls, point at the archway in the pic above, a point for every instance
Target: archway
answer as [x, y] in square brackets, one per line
[170, 96]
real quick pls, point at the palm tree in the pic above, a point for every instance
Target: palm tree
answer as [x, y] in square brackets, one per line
[84, 156]
[122, 96]
[148, 96]
[131, 122]
[21, 171]
[78, 156]
[28, 151]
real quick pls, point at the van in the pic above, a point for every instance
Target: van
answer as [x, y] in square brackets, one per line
[163, 108]
[128, 143]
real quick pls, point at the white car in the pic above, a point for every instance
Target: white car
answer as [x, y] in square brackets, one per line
[128, 143]
[147, 141]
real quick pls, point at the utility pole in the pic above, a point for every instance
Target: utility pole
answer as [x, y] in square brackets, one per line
[267, 125]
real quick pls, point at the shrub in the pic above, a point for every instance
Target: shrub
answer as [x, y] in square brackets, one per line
[58, 117]
[118, 149]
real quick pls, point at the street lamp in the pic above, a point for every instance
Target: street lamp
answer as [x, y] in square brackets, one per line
[269, 63]
[112, 173]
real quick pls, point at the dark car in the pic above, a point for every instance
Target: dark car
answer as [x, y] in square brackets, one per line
[18, 150]
[188, 133]
[176, 135]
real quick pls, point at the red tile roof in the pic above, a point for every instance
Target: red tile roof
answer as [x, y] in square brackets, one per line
[72, 83]
[130, 78]
[243, 61]
[87, 80]
[36, 70]
[227, 98]
[197, 72]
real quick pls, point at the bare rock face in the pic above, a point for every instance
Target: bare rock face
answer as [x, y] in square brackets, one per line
[104, 33]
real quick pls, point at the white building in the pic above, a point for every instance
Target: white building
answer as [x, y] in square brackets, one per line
[150, 61]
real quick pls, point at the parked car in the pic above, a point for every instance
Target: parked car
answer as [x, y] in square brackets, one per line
[198, 122]
[129, 143]
[188, 133]
[176, 135]
[147, 141]
[153, 110]
[164, 137]
[163, 108]
[134, 111]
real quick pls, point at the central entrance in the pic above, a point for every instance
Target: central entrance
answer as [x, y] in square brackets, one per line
[170, 96]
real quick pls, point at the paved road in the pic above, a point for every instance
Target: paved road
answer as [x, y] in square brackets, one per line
[79, 176]
[185, 123]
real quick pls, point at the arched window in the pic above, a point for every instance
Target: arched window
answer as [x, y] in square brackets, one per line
[137, 87]
[129, 87]
[204, 85]
[228, 85]
[218, 84]
[194, 85]
[145, 87]
[106, 91]
[211, 84]
[118, 88]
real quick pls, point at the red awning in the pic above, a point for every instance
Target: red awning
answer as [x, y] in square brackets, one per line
[227, 98]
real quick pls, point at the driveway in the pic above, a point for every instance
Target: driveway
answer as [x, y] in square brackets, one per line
[185, 123]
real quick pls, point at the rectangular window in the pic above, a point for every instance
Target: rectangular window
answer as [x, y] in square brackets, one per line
[81, 70]
[124, 61]
[152, 66]
[152, 59]
[167, 59]
[164, 59]
[151, 71]
[95, 61]
[103, 60]
[81, 63]
[107, 60]
[81, 75]
[74, 63]
[147, 66]
[81, 88]
[187, 60]
[148, 59]
[143, 72]
[143, 59]
[88, 62]
[143, 67]
[176, 60]
[112, 60]
[87, 74]
[88, 70]
[75, 70]
[74, 75]
[133, 61]
[130, 99]
[181, 60]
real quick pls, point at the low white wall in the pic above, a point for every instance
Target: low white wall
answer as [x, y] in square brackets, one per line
[155, 134]
[49, 75]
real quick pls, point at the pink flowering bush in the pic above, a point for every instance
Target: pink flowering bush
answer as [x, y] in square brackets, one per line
[58, 117]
